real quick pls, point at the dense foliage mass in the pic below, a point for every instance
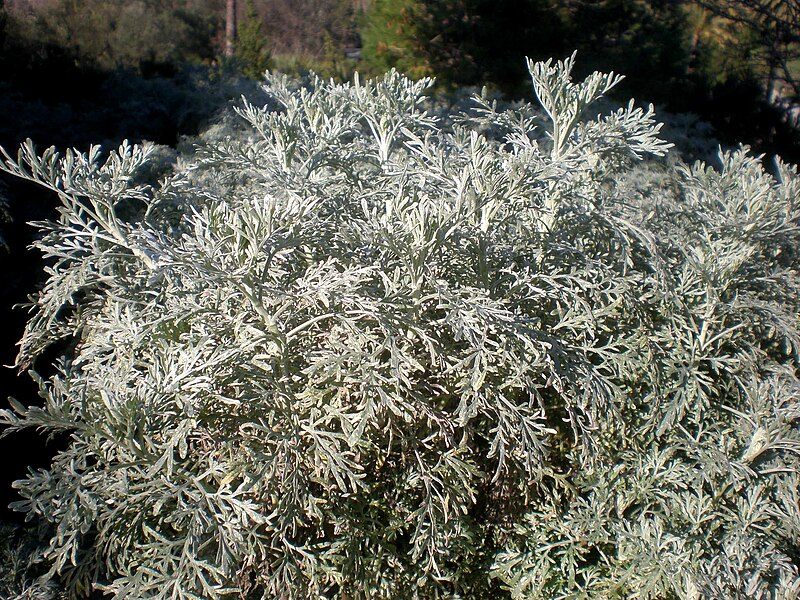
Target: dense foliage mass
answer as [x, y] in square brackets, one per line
[359, 351]
[109, 34]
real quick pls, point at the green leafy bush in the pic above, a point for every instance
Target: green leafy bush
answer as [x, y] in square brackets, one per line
[139, 34]
[355, 351]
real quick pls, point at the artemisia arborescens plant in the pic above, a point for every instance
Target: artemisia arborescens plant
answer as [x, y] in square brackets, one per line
[363, 351]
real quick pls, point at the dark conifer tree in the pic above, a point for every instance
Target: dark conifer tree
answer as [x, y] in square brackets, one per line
[251, 43]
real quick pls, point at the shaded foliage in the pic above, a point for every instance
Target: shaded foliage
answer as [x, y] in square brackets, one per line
[646, 40]
[140, 34]
[252, 50]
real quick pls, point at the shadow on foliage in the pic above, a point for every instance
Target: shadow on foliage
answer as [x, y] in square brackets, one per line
[50, 96]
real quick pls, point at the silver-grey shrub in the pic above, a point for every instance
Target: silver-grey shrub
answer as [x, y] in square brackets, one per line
[361, 352]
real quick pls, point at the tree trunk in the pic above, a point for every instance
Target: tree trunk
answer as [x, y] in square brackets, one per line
[2, 24]
[230, 27]
[703, 22]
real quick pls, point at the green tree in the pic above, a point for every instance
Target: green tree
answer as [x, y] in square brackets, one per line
[461, 42]
[395, 35]
[648, 40]
[706, 29]
[775, 25]
[468, 42]
[252, 50]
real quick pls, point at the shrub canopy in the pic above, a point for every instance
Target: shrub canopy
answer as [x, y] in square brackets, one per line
[357, 350]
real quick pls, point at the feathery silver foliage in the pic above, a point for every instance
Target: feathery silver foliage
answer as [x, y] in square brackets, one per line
[362, 352]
